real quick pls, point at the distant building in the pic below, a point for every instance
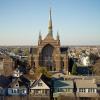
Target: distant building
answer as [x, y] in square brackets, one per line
[85, 61]
[49, 53]
[6, 66]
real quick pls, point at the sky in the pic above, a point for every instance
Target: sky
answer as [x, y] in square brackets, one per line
[76, 21]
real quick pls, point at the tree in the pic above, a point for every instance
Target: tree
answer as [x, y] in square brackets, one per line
[45, 72]
[93, 58]
[74, 69]
[16, 50]
[26, 51]
[40, 70]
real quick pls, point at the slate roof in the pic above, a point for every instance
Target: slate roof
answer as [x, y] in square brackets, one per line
[63, 84]
[4, 81]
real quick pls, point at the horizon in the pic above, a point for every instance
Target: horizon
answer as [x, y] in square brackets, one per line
[77, 22]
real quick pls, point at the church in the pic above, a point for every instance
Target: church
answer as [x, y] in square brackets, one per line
[49, 53]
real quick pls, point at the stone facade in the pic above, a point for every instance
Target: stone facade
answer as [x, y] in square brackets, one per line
[49, 53]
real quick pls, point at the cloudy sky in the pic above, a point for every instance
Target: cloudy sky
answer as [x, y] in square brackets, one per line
[77, 21]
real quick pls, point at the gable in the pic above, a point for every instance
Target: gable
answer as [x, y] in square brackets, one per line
[39, 85]
[48, 38]
[15, 85]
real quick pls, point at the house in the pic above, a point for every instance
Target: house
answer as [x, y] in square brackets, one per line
[63, 87]
[1, 91]
[86, 88]
[98, 85]
[4, 82]
[17, 87]
[40, 88]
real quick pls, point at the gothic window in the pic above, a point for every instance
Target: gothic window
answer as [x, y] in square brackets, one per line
[47, 56]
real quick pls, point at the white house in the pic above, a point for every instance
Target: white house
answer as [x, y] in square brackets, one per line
[85, 60]
[86, 88]
[39, 88]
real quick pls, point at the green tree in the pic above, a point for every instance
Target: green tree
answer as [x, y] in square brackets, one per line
[16, 50]
[40, 70]
[26, 51]
[74, 69]
[45, 72]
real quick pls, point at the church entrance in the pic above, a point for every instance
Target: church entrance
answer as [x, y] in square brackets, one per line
[47, 57]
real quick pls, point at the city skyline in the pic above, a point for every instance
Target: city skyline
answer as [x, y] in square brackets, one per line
[77, 22]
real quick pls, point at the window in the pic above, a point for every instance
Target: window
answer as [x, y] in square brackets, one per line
[39, 84]
[46, 91]
[91, 90]
[60, 90]
[68, 90]
[15, 91]
[82, 90]
[1, 91]
[88, 90]
[23, 91]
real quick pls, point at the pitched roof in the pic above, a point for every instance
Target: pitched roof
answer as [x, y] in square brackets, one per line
[63, 84]
[42, 77]
[14, 82]
[22, 81]
[4, 81]
[35, 86]
[48, 38]
[85, 84]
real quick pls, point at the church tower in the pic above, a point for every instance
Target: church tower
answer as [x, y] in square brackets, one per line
[48, 53]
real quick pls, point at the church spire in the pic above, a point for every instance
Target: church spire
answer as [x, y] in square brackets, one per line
[50, 24]
[40, 37]
[57, 36]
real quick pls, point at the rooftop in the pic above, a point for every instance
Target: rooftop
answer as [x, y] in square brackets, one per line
[85, 84]
[63, 84]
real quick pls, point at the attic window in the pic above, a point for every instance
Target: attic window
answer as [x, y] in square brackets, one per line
[16, 84]
[39, 84]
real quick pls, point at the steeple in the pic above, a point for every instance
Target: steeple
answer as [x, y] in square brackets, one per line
[40, 37]
[50, 24]
[57, 36]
